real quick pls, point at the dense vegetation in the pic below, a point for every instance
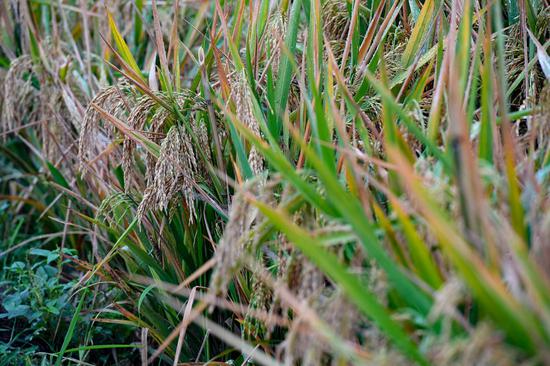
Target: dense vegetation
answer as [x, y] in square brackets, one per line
[305, 182]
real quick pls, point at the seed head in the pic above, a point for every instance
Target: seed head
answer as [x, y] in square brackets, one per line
[18, 94]
[237, 239]
[136, 120]
[92, 139]
[243, 102]
[175, 172]
[275, 29]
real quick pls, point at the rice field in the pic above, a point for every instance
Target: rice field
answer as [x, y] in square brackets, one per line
[258, 182]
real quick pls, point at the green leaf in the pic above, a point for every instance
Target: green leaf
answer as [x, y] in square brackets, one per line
[57, 176]
[72, 327]
[122, 46]
[282, 87]
[419, 32]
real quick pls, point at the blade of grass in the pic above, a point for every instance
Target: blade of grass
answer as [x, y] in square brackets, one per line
[125, 52]
[419, 32]
[72, 328]
[282, 86]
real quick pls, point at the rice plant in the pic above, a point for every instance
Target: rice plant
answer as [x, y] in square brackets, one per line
[305, 182]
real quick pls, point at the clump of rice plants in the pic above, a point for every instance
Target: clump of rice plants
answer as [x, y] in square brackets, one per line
[321, 182]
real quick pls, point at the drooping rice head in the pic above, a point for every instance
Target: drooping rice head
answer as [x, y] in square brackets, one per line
[175, 171]
[18, 95]
[276, 28]
[308, 284]
[192, 107]
[242, 98]
[237, 242]
[95, 135]
[58, 127]
[137, 120]
[178, 168]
